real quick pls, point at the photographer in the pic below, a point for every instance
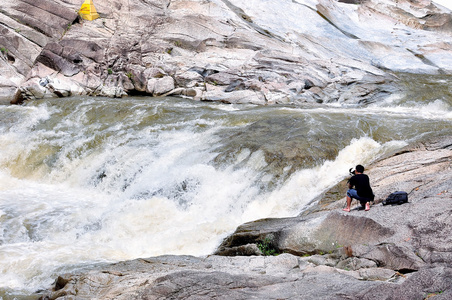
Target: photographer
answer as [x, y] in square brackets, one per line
[359, 188]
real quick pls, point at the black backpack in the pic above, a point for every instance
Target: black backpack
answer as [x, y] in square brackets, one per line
[396, 198]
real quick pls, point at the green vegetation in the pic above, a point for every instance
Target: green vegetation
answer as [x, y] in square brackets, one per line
[266, 247]
[110, 71]
[3, 50]
[433, 294]
[66, 30]
[129, 75]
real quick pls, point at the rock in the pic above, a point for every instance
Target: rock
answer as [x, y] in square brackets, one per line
[24, 35]
[154, 73]
[376, 274]
[180, 277]
[243, 250]
[355, 263]
[427, 282]
[392, 257]
[189, 79]
[163, 85]
[32, 89]
[160, 86]
[221, 78]
[323, 260]
[245, 96]
[62, 60]
[232, 45]
[253, 232]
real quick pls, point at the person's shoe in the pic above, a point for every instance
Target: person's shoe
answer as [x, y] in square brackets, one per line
[367, 206]
[346, 209]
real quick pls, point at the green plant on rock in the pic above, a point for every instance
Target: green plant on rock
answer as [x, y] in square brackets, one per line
[433, 295]
[110, 71]
[129, 75]
[68, 27]
[266, 247]
[3, 50]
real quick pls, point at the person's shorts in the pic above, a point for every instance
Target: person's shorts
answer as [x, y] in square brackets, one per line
[352, 193]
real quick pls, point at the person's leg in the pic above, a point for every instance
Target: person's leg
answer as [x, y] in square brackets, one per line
[351, 193]
[365, 203]
[349, 202]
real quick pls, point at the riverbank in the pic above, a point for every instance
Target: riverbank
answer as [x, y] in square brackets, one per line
[344, 52]
[389, 252]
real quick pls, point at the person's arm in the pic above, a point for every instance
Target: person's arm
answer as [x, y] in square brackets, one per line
[351, 182]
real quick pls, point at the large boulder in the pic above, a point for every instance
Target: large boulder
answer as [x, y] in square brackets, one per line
[26, 28]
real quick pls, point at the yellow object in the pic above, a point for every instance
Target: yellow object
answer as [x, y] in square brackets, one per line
[88, 11]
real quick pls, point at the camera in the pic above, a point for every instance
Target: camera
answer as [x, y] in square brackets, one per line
[351, 171]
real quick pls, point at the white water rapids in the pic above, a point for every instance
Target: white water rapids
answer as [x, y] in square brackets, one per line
[90, 180]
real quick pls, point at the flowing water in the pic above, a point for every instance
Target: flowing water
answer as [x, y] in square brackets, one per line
[93, 180]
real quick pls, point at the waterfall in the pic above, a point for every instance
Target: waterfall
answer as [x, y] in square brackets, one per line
[86, 181]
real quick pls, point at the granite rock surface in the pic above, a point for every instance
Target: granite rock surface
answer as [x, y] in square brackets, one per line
[319, 51]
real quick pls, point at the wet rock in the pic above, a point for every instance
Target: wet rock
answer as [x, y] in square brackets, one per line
[253, 232]
[245, 96]
[243, 250]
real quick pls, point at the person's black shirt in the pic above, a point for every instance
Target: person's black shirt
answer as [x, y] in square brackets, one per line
[362, 185]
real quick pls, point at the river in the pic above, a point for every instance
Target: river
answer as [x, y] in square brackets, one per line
[96, 180]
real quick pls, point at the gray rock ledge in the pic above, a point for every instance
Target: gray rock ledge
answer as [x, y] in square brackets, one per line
[221, 50]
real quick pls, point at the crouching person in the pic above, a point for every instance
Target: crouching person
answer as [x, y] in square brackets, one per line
[359, 188]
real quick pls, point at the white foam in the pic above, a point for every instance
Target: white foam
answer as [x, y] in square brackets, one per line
[140, 191]
[445, 3]
[307, 184]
